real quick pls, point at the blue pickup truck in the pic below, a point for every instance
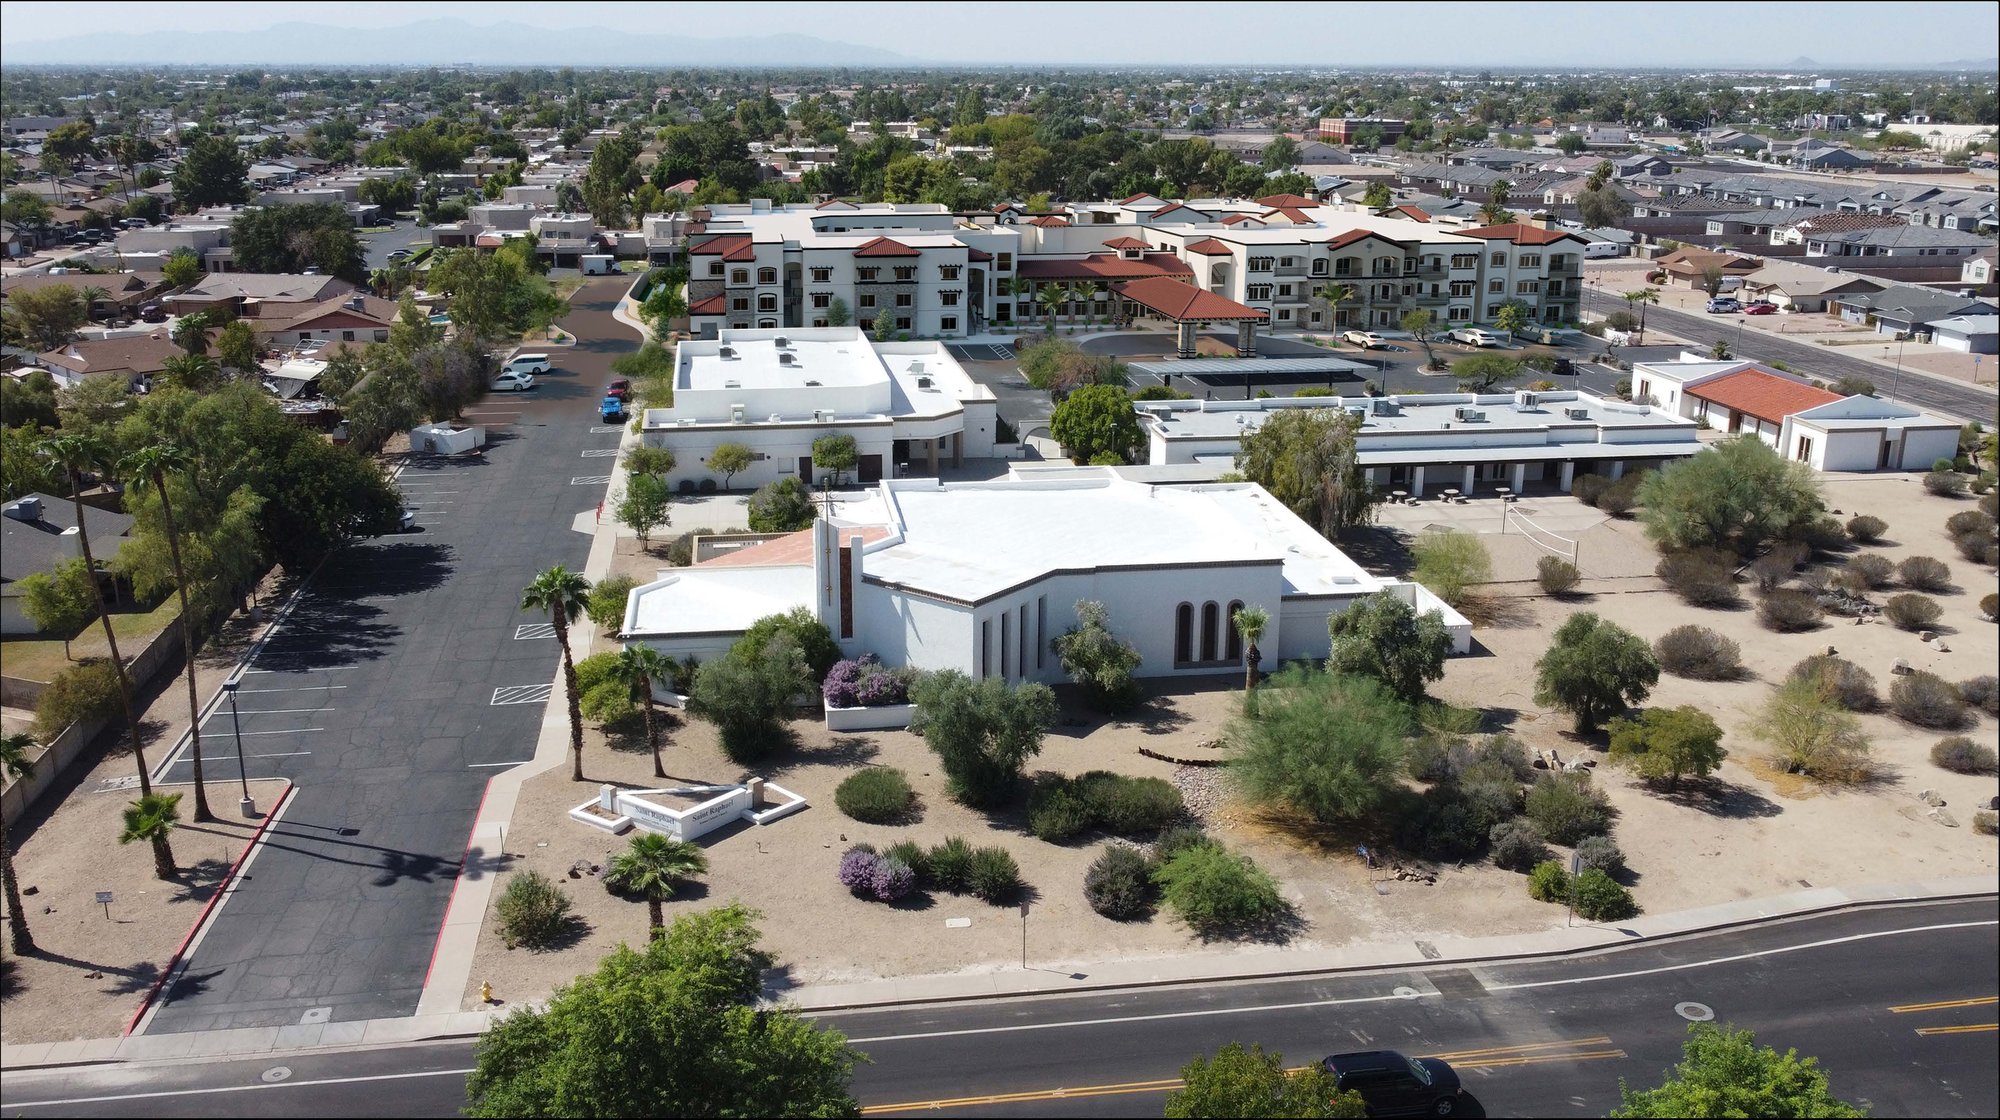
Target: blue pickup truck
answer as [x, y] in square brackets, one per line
[612, 410]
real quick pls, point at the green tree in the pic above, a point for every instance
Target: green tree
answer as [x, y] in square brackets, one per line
[190, 333]
[981, 730]
[640, 667]
[748, 693]
[1809, 731]
[1639, 298]
[25, 208]
[1513, 317]
[783, 505]
[493, 295]
[1738, 494]
[1571, 143]
[290, 239]
[1383, 637]
[884, 327]
[729, 460]
[1378, 197]
[838, 314]
[653, 867]
[1665, 744]
[1325, 745]
[1724, 1072]
[1419, 322]
[43, 319]
[1239, 1082]
[1250, 623]
[29, 401]
[644, 505]
[1601, 206]
[563, 594]
[76, 454]
[1712, 276]
[1307, 459]
[664, 304]
[672, 1030]
[213, 172]
[814, 640]
[837, 454]
[182, 269]
[1097, 420]
[145, 467]
[1594, 669]
[1051, 297]
[1451, 564]
[14, 764]
[236, 348]
[60, 601]
[1097, 660]
[152, 818]
[1481, 373]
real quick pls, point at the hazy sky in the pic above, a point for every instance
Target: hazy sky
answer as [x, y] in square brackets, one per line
[1599, 33]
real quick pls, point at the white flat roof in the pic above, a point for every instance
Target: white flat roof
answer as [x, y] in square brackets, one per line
[1425, 413]
[716, 600]
[818, 356]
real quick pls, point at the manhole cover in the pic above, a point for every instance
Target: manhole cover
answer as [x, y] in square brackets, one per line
[1406, 992]
[1694, 1012]
[276, 1074]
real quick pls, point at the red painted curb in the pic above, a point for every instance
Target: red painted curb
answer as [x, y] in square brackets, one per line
[457, 879]
[221, 889]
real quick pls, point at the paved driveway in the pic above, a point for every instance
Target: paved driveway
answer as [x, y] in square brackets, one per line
[405, 677]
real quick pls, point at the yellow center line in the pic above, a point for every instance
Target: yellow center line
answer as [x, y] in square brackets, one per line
[1944, 1004]
[1457, 1054]
[1502, 1057]
[1975, 1028]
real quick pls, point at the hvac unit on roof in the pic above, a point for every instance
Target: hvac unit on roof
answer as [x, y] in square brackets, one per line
[1467, 414]
[781, 342]
[1525, 399]
[1577, 413]
[923, 382]
[787, 358]
[736, 414]
[823, 415]
[917, 366]
[1386, 407]
[726, 353]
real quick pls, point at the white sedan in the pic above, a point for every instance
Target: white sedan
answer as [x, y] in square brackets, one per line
[513, 381]
[1367, 340]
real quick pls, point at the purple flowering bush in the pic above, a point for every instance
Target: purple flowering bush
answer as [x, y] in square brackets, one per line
[857, 869]
[863, 683]
[893, 879]
[871, 875]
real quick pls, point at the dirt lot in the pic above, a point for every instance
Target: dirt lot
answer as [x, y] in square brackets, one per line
[88, 974]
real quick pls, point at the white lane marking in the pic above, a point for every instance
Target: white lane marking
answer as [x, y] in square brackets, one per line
[600, 453]
[240, 1088]
[522, 693]
[307, 688]
[1382, 999]
[478, 765]
[590, 480]
[270, 711]
[306, 669]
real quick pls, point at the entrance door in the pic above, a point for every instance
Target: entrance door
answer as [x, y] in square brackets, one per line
[871, 469]
[806, 469]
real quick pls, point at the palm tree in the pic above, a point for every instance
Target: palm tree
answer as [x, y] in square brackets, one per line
[638, 667]
[1250, 623]
[151, 818]
[1079, 294]
[1640, 298]
[14, 761]
[149, 466]
[91, 294]
[76, 454]
[563, 594]
[1051, 297]
[191, 333]
[1334, 294]
[194, 372]
[651, 868]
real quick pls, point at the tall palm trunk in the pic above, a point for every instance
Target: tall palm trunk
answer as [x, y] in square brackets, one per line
[163, 859]
[1251, 656]
[201, 810]
[17, 919]
[656, 916]
[652, 740]
[110, 636]
[575, 706]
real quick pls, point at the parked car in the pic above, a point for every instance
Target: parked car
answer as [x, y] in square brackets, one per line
[528, 363]
[153, 313]
[1392, 1085]
[1367, 340]
[513, 381]
[1760, 307]
[1474, 336]
[611, 410]
[400, 255]
[1724, 305]
[620, 387]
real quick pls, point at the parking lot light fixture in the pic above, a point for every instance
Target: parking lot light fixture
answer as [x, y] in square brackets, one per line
[248, 804]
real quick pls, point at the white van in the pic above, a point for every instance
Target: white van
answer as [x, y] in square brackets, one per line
[527, 363]
[1602, 250]
[599, 265]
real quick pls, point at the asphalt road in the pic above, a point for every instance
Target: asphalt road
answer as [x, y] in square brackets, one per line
[1897, 1003]
[402, 680]
[1939, 394]
[377, 246]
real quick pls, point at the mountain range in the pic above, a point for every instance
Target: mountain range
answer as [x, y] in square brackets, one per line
[441, 42]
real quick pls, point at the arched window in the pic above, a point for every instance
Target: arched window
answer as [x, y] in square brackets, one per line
[1232, 646]
[1208, 631]
[1184, 633]
[767, 276]
[739, 276]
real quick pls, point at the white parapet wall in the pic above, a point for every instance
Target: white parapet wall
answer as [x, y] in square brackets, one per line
[882, 717]
[687, 812]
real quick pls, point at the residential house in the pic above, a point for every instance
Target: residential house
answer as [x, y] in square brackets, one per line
[257, 295]
[1978, 269]
[1729, 395]
[136, 358]
[1867, 434]
[347, 317]
[1908, 311]
[1689, 267]
[38, 534]
[1800, 287]
[1967, 334]
[1901, 240]
[123, 293]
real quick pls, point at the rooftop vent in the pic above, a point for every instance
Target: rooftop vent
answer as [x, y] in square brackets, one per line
[25, 509]
[823, 415]
[732, 383]
[812, 382]
[917, 366]
[923, 382]
[787, 358]
[1577, 413]
[781, 342]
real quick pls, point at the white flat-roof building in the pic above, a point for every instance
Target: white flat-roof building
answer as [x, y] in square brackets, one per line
[980, 577]
[1438, 441]
[776, 391]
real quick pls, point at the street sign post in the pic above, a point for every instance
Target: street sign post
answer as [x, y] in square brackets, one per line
[104, 900]
[1024, 934]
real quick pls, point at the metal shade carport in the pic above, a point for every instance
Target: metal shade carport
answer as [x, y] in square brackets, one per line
[1227, 371]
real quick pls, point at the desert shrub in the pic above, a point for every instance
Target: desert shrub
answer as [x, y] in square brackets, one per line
[982, 731]
[993, 875]
[1866, 528]
[1927, 700]
[1600, 852]
[1960, 755]
[606, 602]
[1119, 884]
[533, 911]
[1788, 611]
[1945, 484]
[1699, 654]
[1701, 577]
[1823, 534]
[1989, 504]
[1556, 575]
[1847, 684]
[1441, 824]
[1986, 822]
[1548, 882]
[1516, 846]
[1776, 566]
[948, 866]
[1178, 839]
[1598, 898]
[1924, 573]
[1431, 758]
[857, 868]
[80, 693]
[1989, 605]
[1982, 693]
[863, 682]
[1873, 568]
[1815, 579]
[1507, 754]
[1619, 496]
[1217, 891]
[1057, 813]
[1586, 488]
[1451, 563]
[911, 855]
[1132, 806]
[1968, 521]
[892, 879]
[1910, 611]
[1099, 661]
[1980, 548]
[1566, 808]
[875, 795]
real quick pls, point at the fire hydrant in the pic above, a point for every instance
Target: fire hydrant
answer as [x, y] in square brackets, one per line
[486, 991]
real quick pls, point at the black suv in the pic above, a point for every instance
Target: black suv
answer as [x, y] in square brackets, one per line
[1393, 1085]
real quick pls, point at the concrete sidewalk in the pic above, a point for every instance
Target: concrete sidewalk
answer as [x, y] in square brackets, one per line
[1042, 977]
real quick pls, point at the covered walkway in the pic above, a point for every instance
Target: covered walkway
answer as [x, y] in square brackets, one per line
[1187, 307]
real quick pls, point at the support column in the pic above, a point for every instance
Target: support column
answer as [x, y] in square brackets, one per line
[1246, 339]
[1567, 475]
[1374, 477]
[931, 450]
[1465, 483]
[1184, 340]
[1520, 476]
[1617, 469]
[958, 449]
[1416, 482]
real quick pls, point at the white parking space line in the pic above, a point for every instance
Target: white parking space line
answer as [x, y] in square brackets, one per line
[483, 765]
[287, 731]
[305, 669]
[273, 711]
[601, 453]
[590, 480]
[212, 757]
[532, 630]
[307, 688]
[522, 694]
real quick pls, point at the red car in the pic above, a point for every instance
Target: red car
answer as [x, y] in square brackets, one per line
[1760, 308]
[620, 387]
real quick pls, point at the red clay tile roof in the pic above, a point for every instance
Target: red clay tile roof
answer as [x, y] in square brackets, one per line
[792, 548]
[1134, 198]
[713, 305]
[1180, 301]
[1356, 235]
[1764, 395]
[842, 203]
[1691, 262]
[972, 254]
[1413, 212]
[1235, 219]
[886, 247]
[1169, 208]
[728, 246]
[1048, 221]
[1296, 215]
[1209, 247]
[1125, 243]
[1281, 201]
[1519, 233]
[1104, 266]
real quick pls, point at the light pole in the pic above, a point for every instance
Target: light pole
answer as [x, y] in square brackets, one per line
[1898, 379]
[248, 804]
